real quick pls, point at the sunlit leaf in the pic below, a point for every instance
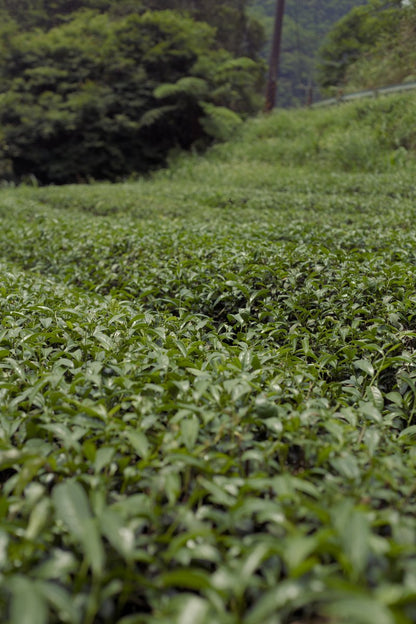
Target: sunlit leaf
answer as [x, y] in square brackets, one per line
[357, 609]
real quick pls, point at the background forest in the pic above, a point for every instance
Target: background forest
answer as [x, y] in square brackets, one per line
[306, 24]
[99, 89]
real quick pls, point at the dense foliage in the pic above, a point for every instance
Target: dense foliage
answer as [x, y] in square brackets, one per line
[107, 91]
[366, 31]
[208, 386]
[392, 60]
[306, 23]
[102, 98]
[236, 31]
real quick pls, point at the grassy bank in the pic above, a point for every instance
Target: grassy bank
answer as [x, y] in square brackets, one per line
[208, 384]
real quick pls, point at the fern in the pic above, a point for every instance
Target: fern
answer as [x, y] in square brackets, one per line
[154, 115]
[219, 122]
[188, 86]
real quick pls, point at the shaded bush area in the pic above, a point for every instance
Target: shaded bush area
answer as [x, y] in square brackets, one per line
[84, 100]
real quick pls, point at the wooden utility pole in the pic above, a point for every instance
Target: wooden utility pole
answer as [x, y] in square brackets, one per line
[275, 57]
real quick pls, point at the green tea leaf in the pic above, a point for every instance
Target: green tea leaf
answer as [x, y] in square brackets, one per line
[28, 605]
[189, 431]
[73, 509]
[139, 442]
[365, 366]
[185, 579]
[117, 533]
[357, 609]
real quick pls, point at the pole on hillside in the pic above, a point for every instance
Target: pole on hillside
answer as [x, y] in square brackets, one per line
[274, 57]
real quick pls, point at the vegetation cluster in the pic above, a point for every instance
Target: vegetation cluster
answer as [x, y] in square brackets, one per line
[208, 384]
[348, 45]
[98, 90]
[306, 24]
[109, 89]
[372, 46]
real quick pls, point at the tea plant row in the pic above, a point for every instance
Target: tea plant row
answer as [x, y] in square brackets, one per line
[208, 402]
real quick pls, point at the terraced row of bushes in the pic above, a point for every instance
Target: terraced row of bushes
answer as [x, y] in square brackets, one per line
[208, 397]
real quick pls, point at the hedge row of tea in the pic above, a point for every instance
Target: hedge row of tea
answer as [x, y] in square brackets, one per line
[208, 397]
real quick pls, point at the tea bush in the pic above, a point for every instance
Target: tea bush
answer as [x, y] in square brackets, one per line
[208, 396]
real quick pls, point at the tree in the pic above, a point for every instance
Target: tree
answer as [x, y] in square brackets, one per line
[85, 100]
[355, 35]
[306, 23]
[46, 14]
[236, 30]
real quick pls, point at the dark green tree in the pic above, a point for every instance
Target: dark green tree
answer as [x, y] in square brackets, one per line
[354, 36]
[102, 98]
[236, 30]
[306, 24]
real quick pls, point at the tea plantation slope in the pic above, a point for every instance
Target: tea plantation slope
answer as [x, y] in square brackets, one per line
[207, 398]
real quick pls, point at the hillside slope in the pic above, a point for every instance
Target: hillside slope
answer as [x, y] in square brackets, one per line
[364, 136]
[372, 46]
[392, 61]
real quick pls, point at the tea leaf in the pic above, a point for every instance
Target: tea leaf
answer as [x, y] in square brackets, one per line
[73, 509]
[28, 606]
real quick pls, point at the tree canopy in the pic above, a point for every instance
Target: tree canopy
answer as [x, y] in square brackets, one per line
[236, 30]
[102, 95]
[306, 23]
[371, 46]
[354, 36]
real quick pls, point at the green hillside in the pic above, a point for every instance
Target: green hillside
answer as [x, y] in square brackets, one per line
[391, 60]
[208, 383]
[372, 46]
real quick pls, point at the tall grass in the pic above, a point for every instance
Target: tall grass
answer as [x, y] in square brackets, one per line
[369, 135]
